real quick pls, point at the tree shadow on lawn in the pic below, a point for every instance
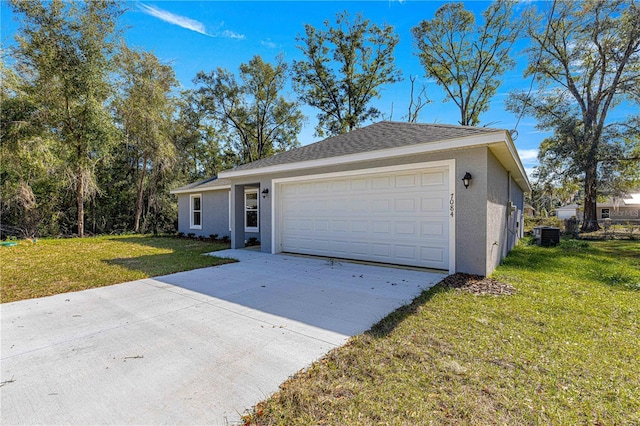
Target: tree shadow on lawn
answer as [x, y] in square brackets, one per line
[185, 255]
[173, 243]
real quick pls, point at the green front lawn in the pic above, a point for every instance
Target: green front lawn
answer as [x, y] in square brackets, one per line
[52, 266]
[565, 350]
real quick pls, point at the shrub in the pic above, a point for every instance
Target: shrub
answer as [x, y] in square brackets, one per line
[213, 237]
[191, 235]
[180, 234]
[226, 239]
[532, 222]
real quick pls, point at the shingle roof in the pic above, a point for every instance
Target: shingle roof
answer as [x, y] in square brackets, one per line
[378, 136]
[210, 183]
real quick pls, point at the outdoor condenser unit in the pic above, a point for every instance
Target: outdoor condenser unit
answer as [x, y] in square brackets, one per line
[546, 235]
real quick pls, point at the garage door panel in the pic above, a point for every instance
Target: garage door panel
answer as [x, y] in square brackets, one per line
[381, 227]
[359, 226]
[405, 205]
[434, 179]
[380, 205]
[432, 254]
[406, 228]
[358, 184]
[400, 218]
[433, 229]
[406, 181]
[406, 252]
[433, 204]
[381, 183]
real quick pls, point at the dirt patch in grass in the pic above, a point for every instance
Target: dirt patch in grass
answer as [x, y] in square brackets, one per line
[476, 284]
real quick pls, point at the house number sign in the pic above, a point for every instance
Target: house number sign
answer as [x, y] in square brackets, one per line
[451, 205]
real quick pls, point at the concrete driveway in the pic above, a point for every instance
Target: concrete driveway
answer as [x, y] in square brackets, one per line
[197, 347]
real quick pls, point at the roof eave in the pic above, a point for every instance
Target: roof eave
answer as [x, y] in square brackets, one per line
[199, 189]
[499, 142]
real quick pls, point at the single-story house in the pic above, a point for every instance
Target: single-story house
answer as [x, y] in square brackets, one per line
[617, 209]
[568, 211]
[620, 209]
[425, 195]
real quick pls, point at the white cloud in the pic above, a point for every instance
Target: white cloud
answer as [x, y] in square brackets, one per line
[529, 171]
[528, 155]
[181, 21]
[185, 22]
[229, 34]
[269, 44]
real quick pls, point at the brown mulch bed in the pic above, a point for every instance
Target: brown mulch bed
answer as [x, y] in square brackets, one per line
[476, 284]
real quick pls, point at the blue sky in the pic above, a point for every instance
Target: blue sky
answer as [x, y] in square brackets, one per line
[203, 35]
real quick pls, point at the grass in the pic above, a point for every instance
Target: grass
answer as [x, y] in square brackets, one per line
[53, 266]
[563, 350]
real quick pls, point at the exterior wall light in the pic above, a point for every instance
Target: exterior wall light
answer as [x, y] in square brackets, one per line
[265, 192]
[466, 180]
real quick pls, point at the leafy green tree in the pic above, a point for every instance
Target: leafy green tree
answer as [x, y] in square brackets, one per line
[29, 167]
[144, 106]
[344, 68]
[586, 60]
[204, 149]
[465, 58]
[256, 118]
[64, 50]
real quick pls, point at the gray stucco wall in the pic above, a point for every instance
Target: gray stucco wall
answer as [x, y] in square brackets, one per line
[471, 216]
[215, 213]
[497, 199]
[504, 225]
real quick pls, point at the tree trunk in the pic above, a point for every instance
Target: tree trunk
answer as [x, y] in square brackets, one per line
[590, 214]
[136, 226]
[80, 199]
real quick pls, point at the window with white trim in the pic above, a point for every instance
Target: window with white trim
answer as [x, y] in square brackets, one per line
[195, 207]
[251, 214]
[605, 213]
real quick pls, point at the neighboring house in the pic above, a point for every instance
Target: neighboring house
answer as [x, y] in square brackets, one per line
[568, 211]
[620, 210]
[390, 192]
[529, 211]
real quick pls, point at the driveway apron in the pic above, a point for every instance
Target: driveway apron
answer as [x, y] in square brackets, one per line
[196, 347]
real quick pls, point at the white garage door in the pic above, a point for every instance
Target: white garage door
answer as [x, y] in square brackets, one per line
[400, 217]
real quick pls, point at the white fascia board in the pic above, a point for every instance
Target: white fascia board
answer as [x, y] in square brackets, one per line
[449, 144]
[199, 189]
[514, 155]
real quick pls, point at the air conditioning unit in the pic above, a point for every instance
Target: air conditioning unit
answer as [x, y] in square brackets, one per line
[546, 235]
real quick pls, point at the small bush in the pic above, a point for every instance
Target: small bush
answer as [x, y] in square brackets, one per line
[226, 239]
[532, 222]
[180, 234]
[253, 241]
[213, 237]
[191, 235]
